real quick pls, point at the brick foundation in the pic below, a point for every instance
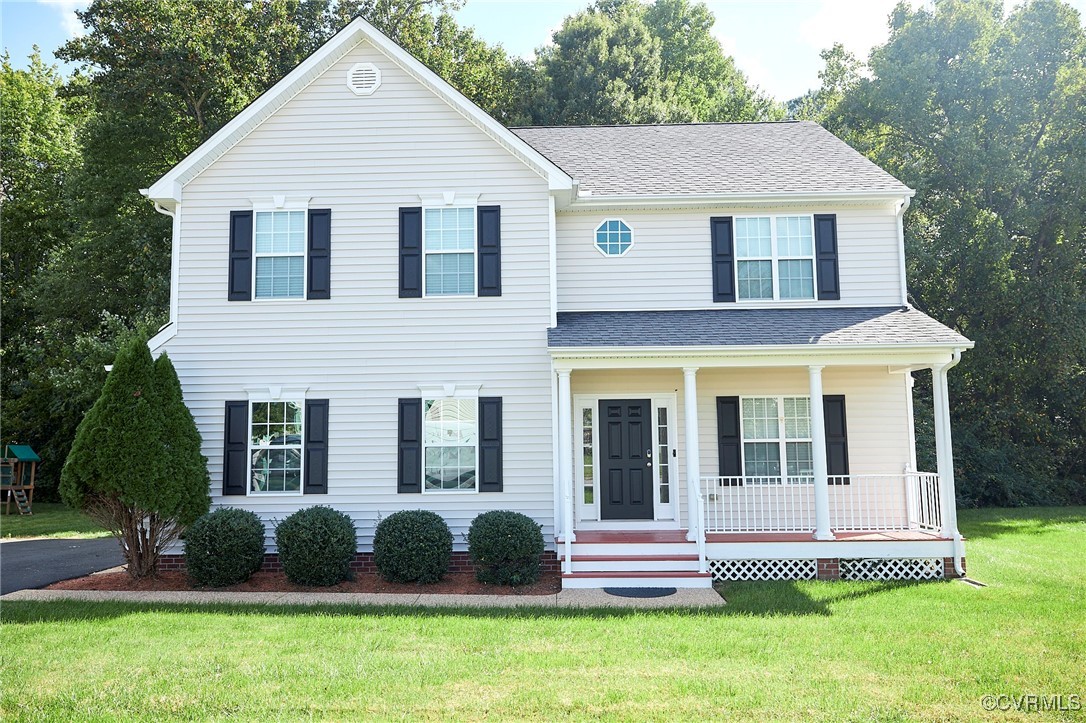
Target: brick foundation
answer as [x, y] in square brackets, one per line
[363, 562]
[829, 568]
[948, 568]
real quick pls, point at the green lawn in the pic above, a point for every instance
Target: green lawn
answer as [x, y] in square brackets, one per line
[50, 519]
[779, 651]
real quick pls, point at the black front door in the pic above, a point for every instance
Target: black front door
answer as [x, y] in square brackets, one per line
[626, 459]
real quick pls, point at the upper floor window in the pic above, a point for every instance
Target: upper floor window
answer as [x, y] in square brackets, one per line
[774, 257]
[275, 447]
[448, 245]
[614, 237]
[279, 250]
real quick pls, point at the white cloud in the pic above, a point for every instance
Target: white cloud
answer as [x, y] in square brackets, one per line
[859, 25]
[68, 19]
[756, 72]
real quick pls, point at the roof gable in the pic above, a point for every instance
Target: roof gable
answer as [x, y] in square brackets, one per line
[168, 189]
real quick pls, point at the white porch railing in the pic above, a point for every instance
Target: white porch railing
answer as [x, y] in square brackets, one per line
[858, 503]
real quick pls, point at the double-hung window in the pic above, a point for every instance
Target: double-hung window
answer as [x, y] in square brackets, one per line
[777, 437]
[448, 246]
[774, 257]
[275, 447]
[279, 251]
[450, 444]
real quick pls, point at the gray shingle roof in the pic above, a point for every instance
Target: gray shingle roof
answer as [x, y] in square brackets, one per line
[708, 158]
[750, 327]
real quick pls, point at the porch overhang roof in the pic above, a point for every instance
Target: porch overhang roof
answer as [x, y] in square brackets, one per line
[894, 335]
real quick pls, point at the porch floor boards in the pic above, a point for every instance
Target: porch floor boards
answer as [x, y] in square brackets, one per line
[882, 536]
[632, 537]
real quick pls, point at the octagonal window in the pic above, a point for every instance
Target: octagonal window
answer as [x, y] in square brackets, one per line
[613, 237]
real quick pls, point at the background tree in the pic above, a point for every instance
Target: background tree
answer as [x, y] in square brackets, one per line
[133, 466]
[986, 117]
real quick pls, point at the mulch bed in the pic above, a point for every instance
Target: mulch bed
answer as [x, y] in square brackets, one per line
[454, 583]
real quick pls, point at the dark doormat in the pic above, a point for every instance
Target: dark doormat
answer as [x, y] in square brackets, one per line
[640, 591]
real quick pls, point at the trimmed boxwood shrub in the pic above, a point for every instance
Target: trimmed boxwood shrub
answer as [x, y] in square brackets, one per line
[412, 546]
[224, 548]
[505, 547]
[316, 546]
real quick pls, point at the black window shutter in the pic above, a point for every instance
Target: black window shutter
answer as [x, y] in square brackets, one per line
[833, 406]
[410, 253]
[320, 254]
[829, 283]
[729, 443]
[409, 459]
[490, 444]
[720, 230]
[235, 460]
[490, 250]
[241, 256]
[316, 447]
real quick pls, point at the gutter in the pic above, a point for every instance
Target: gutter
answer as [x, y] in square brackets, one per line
[585, 200]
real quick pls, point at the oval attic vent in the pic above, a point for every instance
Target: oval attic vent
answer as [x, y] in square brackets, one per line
[363, 78]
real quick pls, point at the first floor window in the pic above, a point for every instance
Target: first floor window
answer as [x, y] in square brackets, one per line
[776, 439]
[774, 257]
[275, 447]
[587, 449]
[449, 436]
[448, 245]
[279, 254]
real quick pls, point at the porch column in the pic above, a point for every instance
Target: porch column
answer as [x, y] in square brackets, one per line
[693, 450]
[818, 455]
[944, 452]
[565, 463]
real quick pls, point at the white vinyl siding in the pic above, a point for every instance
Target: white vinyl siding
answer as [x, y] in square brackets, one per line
[669, 265]
[363, 158]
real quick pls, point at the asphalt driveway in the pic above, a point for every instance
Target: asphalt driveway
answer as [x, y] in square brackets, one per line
[37, 563]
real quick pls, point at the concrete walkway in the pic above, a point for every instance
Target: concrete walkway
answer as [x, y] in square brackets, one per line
[683, 598]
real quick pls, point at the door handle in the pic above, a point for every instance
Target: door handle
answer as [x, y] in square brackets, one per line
[648, 464]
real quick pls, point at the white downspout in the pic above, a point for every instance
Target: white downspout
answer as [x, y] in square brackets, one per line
[959, 569]
[901, 248]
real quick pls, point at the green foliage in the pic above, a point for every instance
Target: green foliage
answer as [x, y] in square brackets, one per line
[985, 116]
[505, 547]
[623, 61]
[412, 546]
[135, 465]
[316, 546]
[224, 547]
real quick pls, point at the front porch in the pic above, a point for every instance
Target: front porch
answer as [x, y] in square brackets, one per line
[793, 485]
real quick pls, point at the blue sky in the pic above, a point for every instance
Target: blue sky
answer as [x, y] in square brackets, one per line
[775, 42]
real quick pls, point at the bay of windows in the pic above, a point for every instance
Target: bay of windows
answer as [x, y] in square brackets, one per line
[774, 257]
[448, 246]
[450, 444]
[279, 252]
[776, 435]
[275, 447]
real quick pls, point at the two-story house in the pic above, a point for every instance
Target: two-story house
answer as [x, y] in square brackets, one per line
[685, 350]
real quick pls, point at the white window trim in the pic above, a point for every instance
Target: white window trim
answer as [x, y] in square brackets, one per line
[454, 202]
[775, 258]
[603, 253]
[249, 491]
[279, 204]
[433, 393]
[781, 440]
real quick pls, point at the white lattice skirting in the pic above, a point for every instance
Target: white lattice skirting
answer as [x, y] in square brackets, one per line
[764, 569]
[898, 569]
